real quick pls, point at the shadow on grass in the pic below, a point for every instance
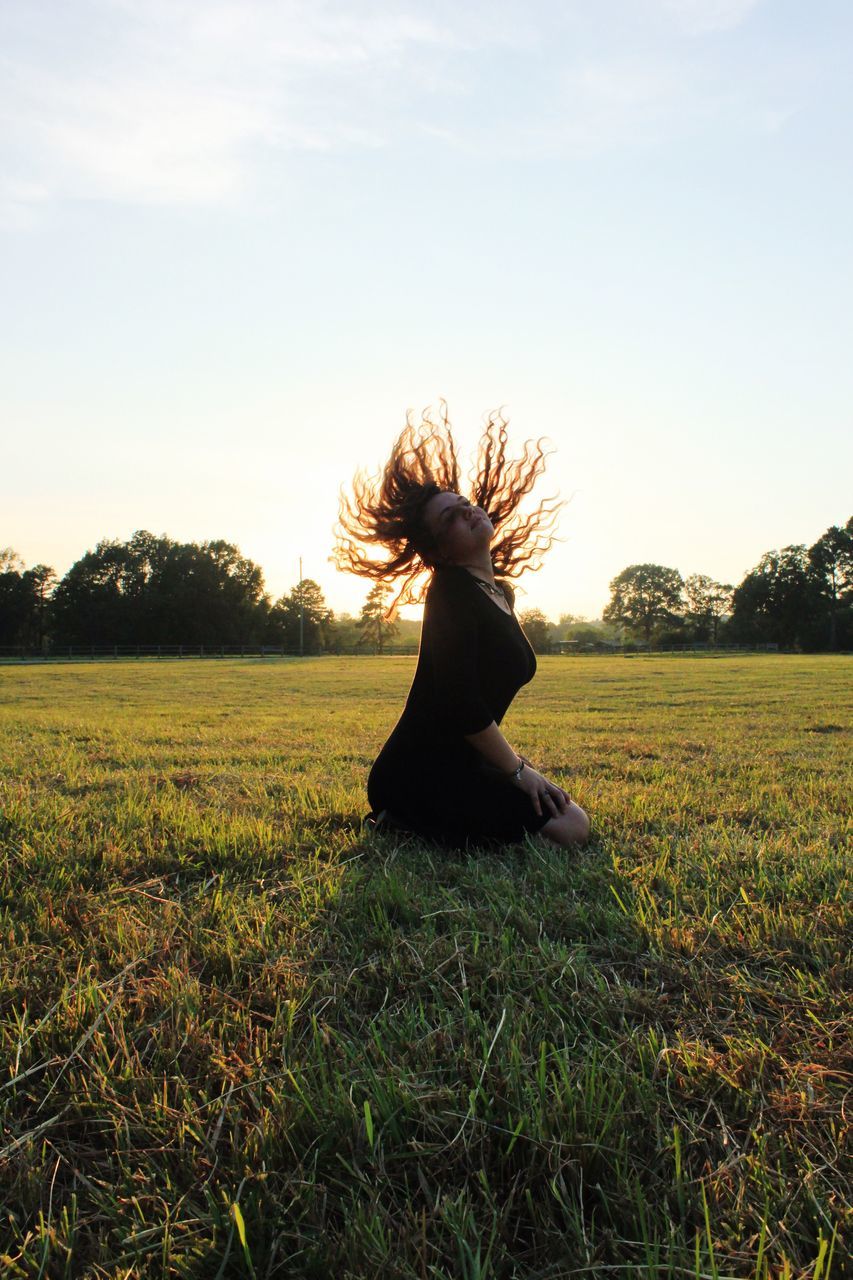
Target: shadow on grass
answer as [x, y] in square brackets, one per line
[398, 1059]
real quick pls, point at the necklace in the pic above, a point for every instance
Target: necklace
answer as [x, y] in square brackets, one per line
[495, 591]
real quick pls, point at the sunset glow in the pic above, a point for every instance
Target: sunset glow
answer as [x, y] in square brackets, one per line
[239, 242]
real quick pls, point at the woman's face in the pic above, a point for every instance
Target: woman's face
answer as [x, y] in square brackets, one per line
[460, 531]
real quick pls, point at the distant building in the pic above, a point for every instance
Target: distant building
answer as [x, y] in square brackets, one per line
[577, 646]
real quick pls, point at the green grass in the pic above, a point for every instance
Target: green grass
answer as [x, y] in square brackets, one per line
[241, 1036]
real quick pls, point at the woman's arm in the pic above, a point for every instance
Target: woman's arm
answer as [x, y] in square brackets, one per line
[491, 743]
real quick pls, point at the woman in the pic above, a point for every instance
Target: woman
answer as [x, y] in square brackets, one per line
[447, 772]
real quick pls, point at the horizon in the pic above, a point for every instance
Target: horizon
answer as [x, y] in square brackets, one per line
[414, 612]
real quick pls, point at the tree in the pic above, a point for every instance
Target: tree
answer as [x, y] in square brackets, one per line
[583, 632]
[10, 561]
[779, 601]
[644, 595]
[12, 597]
[562, 628]
[40, 582]
[343, 633]
[537, 629]
[707, 602]
[91, 604]
[23, 600]
[301, 620]
[586, 637]
[831, 561]
[152, 590]
[372, 625]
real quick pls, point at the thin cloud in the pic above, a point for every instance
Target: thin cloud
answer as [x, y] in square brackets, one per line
[189, 90]
[698, 17]
[144, 141]
[184, 102]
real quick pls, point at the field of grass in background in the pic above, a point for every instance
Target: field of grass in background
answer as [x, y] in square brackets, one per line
[241, 1036]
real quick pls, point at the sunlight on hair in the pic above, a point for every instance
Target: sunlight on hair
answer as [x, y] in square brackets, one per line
[387, 509]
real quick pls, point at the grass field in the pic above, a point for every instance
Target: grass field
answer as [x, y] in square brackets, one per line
[241, 1036]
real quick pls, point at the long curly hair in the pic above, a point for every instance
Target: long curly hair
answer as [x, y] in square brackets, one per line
[387, 509]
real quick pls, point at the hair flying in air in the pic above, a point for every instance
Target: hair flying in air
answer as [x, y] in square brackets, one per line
[387, 509]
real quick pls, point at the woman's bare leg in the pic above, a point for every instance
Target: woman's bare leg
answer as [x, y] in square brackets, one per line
[569, 828]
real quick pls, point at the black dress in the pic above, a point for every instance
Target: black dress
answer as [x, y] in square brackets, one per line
[472, 661]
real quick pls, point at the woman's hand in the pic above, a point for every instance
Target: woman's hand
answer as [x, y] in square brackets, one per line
[546, 797]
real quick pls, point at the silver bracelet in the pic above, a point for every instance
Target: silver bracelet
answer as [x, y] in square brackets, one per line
[516, 773]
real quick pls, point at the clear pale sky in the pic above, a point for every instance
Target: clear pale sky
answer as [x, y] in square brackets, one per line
[239, 239]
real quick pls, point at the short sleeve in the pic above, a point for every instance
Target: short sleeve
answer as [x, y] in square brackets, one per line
[450, 631]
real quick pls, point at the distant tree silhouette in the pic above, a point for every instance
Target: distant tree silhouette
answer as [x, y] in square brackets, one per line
[373, 628]
[343, 634]
[10, 561]
[12, 597]
[566, 621]
[588, 637]
[779, 601]
[831, 561]
[23, 600]
[583, 631]
[537, 629]
[40, 582]
[305, 599]
[152, 590]
[643, 596]
[706, 602]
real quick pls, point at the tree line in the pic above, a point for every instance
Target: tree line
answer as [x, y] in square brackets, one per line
[797, 598]
[152, 590]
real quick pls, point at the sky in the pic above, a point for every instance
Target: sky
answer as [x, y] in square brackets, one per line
[240, 239]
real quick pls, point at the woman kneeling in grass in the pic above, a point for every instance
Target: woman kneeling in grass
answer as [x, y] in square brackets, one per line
[447, 772]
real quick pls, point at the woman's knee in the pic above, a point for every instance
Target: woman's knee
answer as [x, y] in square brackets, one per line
[569, 828]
